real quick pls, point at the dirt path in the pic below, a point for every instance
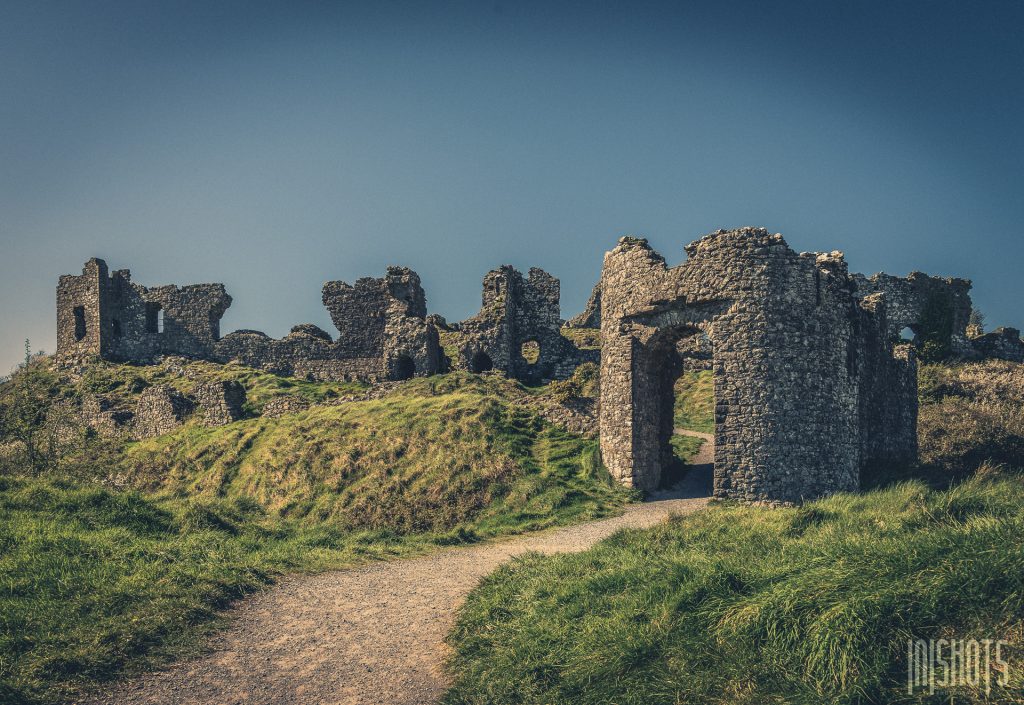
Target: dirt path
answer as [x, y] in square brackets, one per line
[373, 634]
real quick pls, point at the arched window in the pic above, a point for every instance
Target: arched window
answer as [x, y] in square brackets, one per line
[80, 322]
[530, 350]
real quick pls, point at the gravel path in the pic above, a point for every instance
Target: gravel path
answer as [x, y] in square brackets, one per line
[373, 634]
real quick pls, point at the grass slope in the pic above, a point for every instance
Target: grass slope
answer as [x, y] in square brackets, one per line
[742, 605]
[95, 580]
[695, 401]
[439, 453]
[809, 605]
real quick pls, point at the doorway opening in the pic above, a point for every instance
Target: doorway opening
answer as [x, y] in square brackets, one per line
[481, 362]
[154, 318]
[403, 368]
[684, 365]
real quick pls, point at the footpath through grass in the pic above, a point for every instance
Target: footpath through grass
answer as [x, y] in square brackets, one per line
[743, 605]
[803, 606]
[95, 581]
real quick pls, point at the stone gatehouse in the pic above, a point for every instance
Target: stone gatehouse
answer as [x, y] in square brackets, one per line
[808, 385]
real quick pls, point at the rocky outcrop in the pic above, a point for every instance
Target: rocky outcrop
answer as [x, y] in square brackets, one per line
[1000, 344]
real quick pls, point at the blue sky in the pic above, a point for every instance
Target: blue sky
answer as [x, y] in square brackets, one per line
[274, 146]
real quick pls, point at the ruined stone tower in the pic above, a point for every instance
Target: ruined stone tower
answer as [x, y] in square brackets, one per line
[107, 316]
[518, 329]
[808, 388]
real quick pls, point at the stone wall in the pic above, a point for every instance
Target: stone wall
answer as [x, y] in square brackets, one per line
[789, 354]
[107, 316]
[887, 389]
[284, 404]
[221, 402]
[1000, 344]
[383, 335]
[923, 300]
[160, 410]
[105, 415]
[518, 311]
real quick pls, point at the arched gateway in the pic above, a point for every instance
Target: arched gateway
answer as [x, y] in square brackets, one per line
[808, 386]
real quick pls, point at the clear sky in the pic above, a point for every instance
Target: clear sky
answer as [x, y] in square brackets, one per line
[274, 146]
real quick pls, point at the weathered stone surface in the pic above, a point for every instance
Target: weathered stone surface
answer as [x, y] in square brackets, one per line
[284, 404]
[221, 402]
[105, 416]
[519, 311]
[908, 301]
[1001, 344]
[107, 316]
[798, 362]
[160, 410]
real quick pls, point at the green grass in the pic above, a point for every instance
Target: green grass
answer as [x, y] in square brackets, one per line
[743, 605]
[695, 401]
[96, 581]
[436, 454]
[93, 581]
[584, 338]
[125, 382]
[804, 606]
[685, 447]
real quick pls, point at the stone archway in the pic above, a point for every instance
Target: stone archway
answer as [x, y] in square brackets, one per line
[480, 362]
[800, 364]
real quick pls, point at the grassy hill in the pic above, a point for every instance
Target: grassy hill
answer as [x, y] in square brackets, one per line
[122, 553]
[810, 605]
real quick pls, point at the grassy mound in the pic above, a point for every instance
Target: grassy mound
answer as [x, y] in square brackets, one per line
[742, 605]
[439, 454]
[96, 580]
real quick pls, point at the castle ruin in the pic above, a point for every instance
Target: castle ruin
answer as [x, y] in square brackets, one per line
[108, 316]
[384, 332]
[518, 330]
[812, 382]
[808, 387]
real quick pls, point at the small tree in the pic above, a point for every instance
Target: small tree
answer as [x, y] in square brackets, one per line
[976, 323]
[25, 404]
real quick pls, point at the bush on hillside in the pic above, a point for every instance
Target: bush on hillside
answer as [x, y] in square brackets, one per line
[970, 414]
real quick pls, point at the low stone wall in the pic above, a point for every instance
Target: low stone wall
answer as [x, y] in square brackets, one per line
[160, 410]
[221, 402]
[286, 404]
